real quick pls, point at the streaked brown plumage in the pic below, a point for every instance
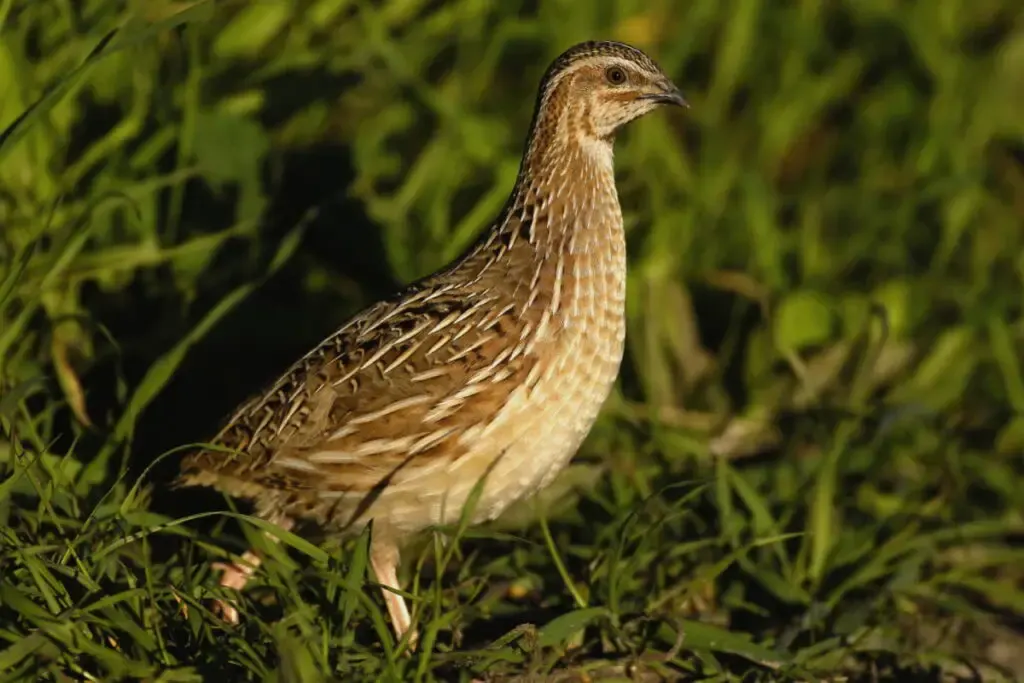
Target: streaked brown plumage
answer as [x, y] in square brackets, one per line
[496, 365]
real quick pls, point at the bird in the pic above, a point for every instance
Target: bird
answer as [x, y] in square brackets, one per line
[489, 371]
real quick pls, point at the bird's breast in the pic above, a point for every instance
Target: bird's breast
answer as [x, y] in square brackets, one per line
[578, 343]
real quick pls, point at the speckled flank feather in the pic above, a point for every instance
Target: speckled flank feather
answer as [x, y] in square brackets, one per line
[496, 365]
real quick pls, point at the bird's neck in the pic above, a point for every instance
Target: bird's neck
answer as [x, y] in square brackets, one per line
[558, 250]
[571, 268]
[566, 165]
[567, 188]
[563, 212]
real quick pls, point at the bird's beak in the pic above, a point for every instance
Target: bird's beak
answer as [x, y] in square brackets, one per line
[668, 94]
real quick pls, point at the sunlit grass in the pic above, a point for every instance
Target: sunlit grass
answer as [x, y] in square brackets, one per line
[811, 467]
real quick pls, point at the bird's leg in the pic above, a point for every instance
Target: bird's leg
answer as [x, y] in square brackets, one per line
[384, 558]
[235, 575]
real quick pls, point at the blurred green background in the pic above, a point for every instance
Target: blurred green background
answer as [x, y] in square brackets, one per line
[825, 329]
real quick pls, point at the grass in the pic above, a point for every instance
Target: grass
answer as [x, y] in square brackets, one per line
[811, 468]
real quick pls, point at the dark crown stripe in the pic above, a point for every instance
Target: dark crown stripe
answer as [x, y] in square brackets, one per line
[595, 48]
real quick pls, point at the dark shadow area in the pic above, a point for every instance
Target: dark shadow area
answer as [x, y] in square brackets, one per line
[275, 325]
[248, 348]
[721, 314]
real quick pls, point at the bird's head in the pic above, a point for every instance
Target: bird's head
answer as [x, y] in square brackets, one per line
[595, 88]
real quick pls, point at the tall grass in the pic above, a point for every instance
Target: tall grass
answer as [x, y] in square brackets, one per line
[811, 467]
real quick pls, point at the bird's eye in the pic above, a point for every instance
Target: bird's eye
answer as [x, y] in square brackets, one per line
[615, 75]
